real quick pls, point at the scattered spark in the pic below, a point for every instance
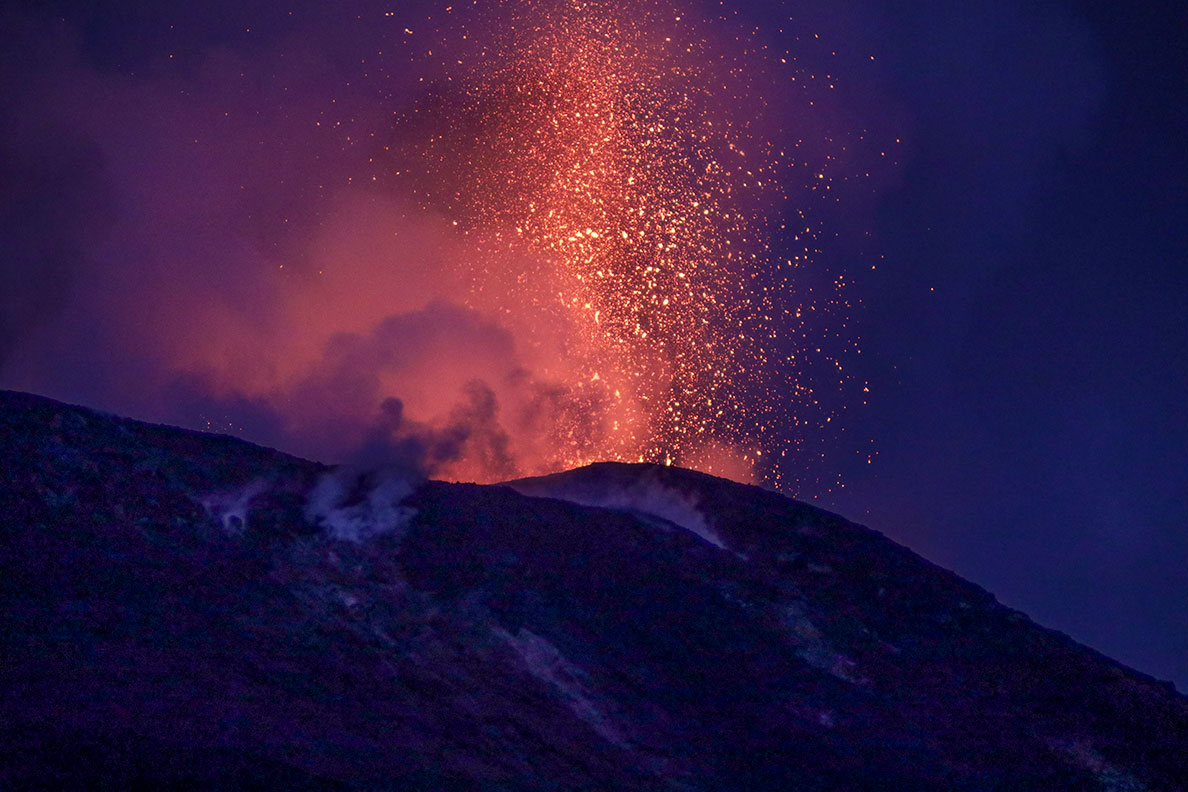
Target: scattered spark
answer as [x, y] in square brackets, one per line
[611, 150]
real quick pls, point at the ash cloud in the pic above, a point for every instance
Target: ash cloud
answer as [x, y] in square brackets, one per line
[442, 356]
[469, 391]
[471, 431]
[213, 243]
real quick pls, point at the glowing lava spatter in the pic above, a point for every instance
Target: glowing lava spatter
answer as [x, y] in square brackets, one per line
[606, 160]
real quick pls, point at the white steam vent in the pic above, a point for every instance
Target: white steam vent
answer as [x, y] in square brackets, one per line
[353, 506]
[230, 507]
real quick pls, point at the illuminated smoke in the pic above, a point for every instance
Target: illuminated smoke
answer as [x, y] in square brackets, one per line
[548, 232]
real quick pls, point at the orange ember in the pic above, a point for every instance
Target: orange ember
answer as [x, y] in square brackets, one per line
[609, 162]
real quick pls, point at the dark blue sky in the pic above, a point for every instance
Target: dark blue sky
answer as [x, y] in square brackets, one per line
[1034, 436]
[1024, 335]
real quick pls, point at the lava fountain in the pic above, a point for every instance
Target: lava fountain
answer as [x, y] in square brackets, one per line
[627, 187]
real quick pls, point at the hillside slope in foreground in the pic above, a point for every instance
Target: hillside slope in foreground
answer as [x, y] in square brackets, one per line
[186, 610]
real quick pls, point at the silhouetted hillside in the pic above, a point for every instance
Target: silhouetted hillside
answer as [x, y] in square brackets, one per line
[191, 611]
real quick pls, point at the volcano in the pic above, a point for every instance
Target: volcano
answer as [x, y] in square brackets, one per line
[184, 610]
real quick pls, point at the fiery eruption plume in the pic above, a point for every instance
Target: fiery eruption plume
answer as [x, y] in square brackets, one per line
[612, 164]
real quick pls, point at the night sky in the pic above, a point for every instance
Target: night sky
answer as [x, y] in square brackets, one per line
[196, 204]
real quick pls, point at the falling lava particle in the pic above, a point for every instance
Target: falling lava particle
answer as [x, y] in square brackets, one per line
[616, 167]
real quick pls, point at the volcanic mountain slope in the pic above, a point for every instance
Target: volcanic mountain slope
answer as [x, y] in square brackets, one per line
[191, 611]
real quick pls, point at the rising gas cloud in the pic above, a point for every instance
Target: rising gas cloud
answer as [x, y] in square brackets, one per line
[509, 238]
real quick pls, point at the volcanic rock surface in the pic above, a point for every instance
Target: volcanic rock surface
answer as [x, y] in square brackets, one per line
[180, 610]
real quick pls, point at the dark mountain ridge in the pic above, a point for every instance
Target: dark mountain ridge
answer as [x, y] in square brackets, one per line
[181, 609]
